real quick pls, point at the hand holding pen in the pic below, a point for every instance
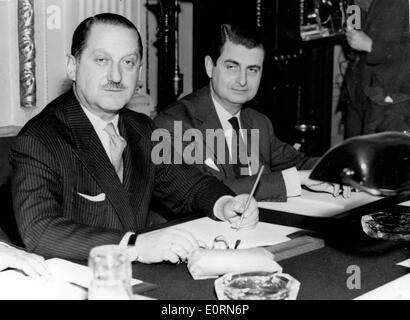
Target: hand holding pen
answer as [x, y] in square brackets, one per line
[250, 198]
[242, 211]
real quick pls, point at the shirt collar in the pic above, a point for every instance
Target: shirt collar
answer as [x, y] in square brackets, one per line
[98, 123]
[223, 115]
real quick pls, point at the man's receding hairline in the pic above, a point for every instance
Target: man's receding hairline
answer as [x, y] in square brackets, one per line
[107, 23]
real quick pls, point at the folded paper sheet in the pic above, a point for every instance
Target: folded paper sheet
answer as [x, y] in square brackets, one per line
[319, 204]
[264, 234]
[69, 282]
[203, 263]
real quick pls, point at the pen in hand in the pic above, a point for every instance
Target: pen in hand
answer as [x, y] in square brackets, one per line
[248, 201]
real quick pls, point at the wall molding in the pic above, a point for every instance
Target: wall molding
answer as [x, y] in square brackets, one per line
[27, 53]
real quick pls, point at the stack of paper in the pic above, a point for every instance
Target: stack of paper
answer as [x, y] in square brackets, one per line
[319, 204]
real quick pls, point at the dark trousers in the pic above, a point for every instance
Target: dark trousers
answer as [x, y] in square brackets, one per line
[369, 117]
[355, 114]
[390, 117]
[364, 116]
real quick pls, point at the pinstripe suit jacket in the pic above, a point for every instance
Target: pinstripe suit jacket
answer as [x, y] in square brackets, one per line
[58, 156]
[198, 111]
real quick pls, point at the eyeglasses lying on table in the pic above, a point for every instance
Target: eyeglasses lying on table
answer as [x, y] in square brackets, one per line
[219, 243]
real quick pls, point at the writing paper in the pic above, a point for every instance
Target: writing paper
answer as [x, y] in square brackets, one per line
[264, 234]
[319, 204]
[66, 271]
[69, 281]
[398, 289]
[14, 285]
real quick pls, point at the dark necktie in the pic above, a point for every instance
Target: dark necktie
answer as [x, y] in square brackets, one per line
[117, 146]
[239, 154]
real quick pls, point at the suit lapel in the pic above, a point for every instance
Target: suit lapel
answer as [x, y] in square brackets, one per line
[205, 113]
[92, 155]
[136, 170]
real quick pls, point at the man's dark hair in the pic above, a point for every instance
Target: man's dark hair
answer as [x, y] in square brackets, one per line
[245, 35]
[82, 32]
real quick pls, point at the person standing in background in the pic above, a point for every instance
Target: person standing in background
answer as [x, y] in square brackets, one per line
[378, 74]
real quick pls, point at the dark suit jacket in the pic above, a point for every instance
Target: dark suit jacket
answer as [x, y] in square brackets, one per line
[385, 71]
[58, 155]
[198, 111]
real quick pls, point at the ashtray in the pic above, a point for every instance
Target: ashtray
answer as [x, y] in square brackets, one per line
[257, 286]
[387, 225]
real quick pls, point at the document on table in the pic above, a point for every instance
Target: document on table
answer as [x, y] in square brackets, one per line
[320, 204]
[70, 281]
[67, 271]
[14, 285]
[398, 289]
[264, 234]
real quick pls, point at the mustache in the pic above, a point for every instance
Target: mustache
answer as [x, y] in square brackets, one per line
[111, 85]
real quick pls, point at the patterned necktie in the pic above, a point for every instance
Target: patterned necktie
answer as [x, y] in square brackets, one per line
[238, 149]
[117, 146]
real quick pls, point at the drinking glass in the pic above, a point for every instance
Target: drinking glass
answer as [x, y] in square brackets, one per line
[111, 273]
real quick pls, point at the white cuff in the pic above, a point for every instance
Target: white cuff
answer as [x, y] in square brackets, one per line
[292, 182]
[218, 212]
[2, 265]
[4, 244]
[125, 239]
[131, 250]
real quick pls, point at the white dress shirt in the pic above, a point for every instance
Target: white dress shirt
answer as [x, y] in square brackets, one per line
[224, 117]
[290, 176]
[99, 126]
